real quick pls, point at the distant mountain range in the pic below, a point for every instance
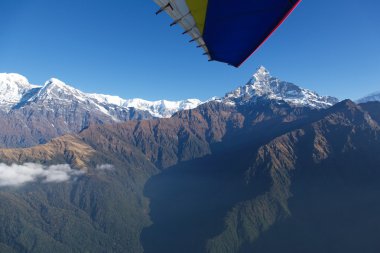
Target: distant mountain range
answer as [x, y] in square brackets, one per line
[16, 92]
[270, 167]
[33, 114]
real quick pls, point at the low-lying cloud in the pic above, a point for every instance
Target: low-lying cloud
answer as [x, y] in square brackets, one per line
[17, 175]
[105, 167]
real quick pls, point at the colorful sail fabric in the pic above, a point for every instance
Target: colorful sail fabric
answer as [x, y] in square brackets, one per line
[229, 30]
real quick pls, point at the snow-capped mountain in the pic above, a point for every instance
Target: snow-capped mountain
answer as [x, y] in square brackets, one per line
[55, 89]
[163, 108]
[159, 109]
[263, 86]
[16, 92]
[13, 87]
[370, 98]
[31, 114]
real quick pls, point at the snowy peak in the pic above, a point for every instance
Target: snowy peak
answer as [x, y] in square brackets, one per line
[263, 86]
[55, 83]
[370, 98]
[12, 88]
[159, 108]
[55, 89]
[261, 75]
[162, 108]
[108, 99]
[14, 79]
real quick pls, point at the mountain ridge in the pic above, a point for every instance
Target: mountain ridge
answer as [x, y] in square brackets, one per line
[32, 115]
[230, 167]
[17, 86]
[261, 85]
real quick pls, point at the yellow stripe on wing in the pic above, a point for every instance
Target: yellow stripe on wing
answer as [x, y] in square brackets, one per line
[198, 9]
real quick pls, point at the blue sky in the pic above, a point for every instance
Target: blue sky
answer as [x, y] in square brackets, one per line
[120, 47]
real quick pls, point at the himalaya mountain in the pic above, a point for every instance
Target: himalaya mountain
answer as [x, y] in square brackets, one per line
[243, 177]
[16, 92]
[262, 86]
[33, 114]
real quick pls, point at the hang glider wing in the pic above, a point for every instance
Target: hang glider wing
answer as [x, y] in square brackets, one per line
[228, 30]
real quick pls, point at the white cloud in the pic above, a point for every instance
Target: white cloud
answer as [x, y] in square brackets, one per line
[17, 175]
[105, 167]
